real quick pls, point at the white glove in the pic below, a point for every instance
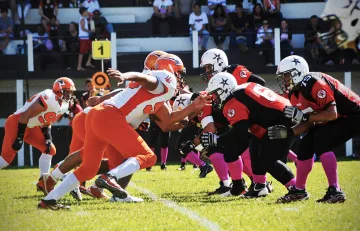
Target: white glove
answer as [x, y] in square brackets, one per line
[279, 132]
[295, 114]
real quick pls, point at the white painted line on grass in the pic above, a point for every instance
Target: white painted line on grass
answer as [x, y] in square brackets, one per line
[171, 204]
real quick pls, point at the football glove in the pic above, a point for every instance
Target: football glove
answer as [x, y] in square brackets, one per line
[208, 139]
[186, 147]
[279, 132]
[18, 143]
[295, 114]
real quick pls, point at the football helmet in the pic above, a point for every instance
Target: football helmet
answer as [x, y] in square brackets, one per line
[291, 71]
[345, 12]
[214, 61]
[220, 87]
[173, 64]
[64, 89]
[150, 61]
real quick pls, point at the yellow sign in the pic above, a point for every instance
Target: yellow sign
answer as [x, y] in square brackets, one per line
[101, 49]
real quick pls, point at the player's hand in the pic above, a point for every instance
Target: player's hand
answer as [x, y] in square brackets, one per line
[48, 144]
[18, 143]
[208, 139]
[116, 75]
[186, 147]
[295, 114]
[93, 101]
[199, 102]
[279, 132]
[144, 126]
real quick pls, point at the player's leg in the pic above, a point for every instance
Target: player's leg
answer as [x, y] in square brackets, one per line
[7, 152]
[36, 138]
[164, 148]
[78, 127]
[154, 132]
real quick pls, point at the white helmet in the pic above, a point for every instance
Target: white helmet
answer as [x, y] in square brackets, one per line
[221, 85]
[296, 67]
[215, 60]
[182, 101]
[348, 13]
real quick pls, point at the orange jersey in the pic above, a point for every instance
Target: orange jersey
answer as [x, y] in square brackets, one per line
[54, 109]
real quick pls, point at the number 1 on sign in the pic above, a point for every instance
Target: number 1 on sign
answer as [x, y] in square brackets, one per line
[101, 49]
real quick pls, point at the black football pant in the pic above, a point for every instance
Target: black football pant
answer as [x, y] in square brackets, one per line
[155, 133]
[267, 155]
[324, 138]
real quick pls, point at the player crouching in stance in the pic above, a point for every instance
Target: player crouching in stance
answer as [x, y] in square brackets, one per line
[113, 123]
[250, 106]
[321, 105]
[32, 122]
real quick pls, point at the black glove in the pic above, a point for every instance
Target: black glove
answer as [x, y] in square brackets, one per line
[186, 147]
[48, 138]
[20, 137]
[279, 132]
[208, 139]
[295, 114]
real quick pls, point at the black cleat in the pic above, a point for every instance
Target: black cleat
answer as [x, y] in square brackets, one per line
[182, 167]
[148, 169]
[51, 204]
[333, 195]
[238, 188]
[293, 195]
[222, 189]
[163, 167]
[204, 170]
[256, 190]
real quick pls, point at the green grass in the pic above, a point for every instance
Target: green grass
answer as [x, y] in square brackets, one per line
[18, 205]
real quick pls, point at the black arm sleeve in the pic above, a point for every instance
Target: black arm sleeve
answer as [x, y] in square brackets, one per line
[256, 79]
[237, 137]
[47, 133]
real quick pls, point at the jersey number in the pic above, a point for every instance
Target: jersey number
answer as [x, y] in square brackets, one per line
[264, 92]
[47, 118]
[133, 85]
[148, 109]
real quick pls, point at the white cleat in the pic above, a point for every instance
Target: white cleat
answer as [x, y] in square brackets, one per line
[227, 194]
[128, 199]
[76, 194]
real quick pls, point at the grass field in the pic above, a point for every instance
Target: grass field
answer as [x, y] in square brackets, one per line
[177, 200]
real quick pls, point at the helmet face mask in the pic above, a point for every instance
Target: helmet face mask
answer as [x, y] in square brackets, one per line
[285, 80]
[209, 72]
[64, 89]
[214, 61]
[216, 98]
[67, 95]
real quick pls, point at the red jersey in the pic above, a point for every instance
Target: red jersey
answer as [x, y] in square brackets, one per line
[259, 105]
[318, 91]
[241, 73]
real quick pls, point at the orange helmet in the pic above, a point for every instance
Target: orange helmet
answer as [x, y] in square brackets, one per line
[64, 88]
[173, 64]
[149, 63]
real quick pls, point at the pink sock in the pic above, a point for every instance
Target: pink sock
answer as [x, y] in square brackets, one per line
[302, 171]
[236, 169]
[290, 183]
[328, 161]
[292, 156]
[183, 160]
[164, 154]
[247, 163]
[198, 154]
[193, 158]
[260, 179]
[220, 166]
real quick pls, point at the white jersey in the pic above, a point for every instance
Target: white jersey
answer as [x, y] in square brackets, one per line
[53, 109]
[84, 34]
[136, 102]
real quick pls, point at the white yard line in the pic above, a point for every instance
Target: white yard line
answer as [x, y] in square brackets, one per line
[187, 212]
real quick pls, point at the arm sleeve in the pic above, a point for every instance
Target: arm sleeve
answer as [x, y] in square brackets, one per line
[256, 79]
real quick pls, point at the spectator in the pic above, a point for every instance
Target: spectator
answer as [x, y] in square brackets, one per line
[265, 42]
[54, 33]
[241, 35]
[71, 46]
[213, 3]
[6, 29]
[163, 11]
[91, 6]
[219, 26]
[272, 8]
[85, 41]
[312, 42]
[48, 9]
[22, 4]
[258, 16]
[90, 89]
[250, 4]
[285, 38]
[183, 7]
[71, 3]
[101, 22]
[198, 21]
[41, 45]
